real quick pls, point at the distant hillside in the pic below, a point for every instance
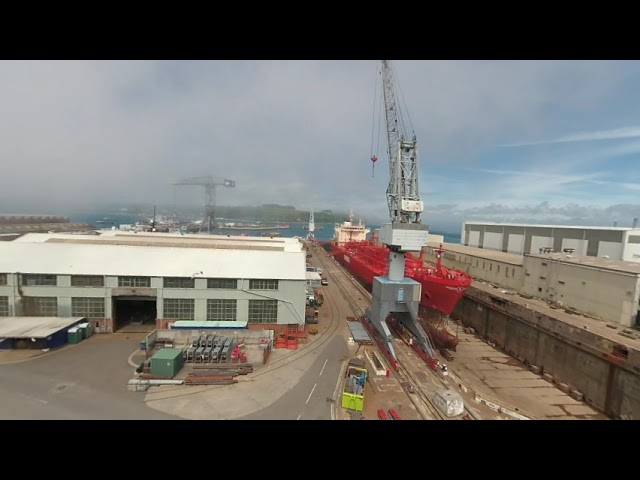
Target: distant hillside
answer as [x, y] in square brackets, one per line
[264, 213]
[278, 213]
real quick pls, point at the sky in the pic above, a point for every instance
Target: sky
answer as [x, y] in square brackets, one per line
[508, 141]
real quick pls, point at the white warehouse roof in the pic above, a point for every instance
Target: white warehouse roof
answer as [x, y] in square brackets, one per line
[115, 237]
[225, 257]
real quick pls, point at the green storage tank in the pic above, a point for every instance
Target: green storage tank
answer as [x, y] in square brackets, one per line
[74, 335]
[166, 362]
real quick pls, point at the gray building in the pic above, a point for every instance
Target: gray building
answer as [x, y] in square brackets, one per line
[520, 239]
[600, 287]
[116, 278]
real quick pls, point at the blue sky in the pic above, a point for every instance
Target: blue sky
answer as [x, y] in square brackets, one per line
[526, 141]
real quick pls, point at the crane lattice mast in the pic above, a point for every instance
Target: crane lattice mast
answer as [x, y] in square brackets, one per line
[403, 194]
[209, 183]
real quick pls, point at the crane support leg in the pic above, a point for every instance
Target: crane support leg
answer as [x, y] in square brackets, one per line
[380, 324]
[412, 324]
[401, 300]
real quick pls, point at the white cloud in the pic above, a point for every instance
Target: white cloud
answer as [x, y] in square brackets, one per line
[617, 134]
[77, 133]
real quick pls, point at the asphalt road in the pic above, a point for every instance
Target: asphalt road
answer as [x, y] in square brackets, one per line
[85, 381]
[310, 398]
[89, 381]
[29, 396]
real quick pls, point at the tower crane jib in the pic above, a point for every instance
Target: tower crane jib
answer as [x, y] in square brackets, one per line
[209, 183]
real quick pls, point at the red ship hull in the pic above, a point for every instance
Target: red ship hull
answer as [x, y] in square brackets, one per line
[442, 288]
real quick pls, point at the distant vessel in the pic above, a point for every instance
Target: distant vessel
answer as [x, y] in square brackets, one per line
[348, 231]
[230, 226]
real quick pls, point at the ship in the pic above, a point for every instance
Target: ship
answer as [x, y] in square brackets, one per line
[234, 226]
[442, 288]
[349, 231]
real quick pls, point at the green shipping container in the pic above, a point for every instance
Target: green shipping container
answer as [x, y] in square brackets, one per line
[166, 362]
[74, 335]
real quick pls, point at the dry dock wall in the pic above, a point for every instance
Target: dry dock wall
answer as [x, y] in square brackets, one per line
[587, 362]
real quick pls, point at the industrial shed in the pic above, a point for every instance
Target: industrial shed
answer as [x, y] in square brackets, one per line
[616, 243]
[116, 279]
[35, 332]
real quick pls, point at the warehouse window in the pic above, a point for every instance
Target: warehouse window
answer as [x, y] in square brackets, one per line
[87, 281]
[263, 311]
[40, 306]
[491, 267]
[227, 283]
[134, 281]
[263, 284]
[89, 307]
[4, 306]
[179, 308]
[498, 269]
[3, 279]
[222, 310]
[39, 280]
[178, 282]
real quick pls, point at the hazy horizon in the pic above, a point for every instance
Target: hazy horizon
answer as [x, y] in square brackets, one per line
[508, 141]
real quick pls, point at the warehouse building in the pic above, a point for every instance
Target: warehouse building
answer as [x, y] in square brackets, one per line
[602, 288]
[12, 226]
[608, 289]
[615, 243]
[116, 278]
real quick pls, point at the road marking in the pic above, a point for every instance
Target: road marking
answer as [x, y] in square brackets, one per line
[299, 417]
[309, 398]
[130, 361]
[33, 398]
[325, 364]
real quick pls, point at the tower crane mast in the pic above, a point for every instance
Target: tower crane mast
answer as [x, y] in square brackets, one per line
[403, 197]
[209, 183]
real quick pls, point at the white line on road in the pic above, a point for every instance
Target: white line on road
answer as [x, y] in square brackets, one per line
[130, 361]
[314, 387]
[33, 398]
[299, 417]
[325, 364]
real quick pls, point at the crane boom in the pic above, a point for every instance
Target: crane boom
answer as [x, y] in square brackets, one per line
[403, 195]
[406, 232]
